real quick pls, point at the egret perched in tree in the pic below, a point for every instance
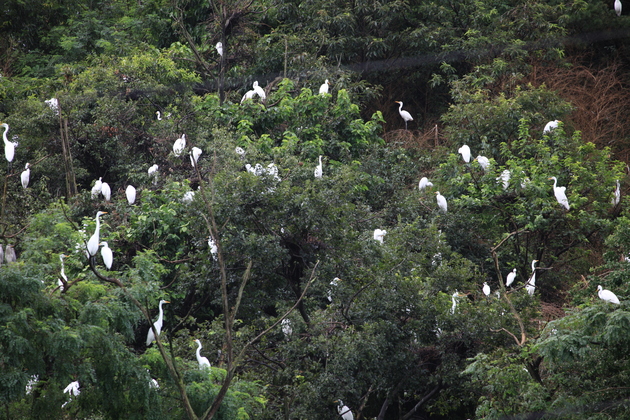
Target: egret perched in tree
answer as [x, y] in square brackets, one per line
[287, 330]
[130, 192]
[606, 295]
[551, 125]
[203, 361]
[92, 245]
[240, 151]
[259, 91]
[454, 297]
[214, 250]
[248, 95]
[97, 188]
[64, 279]
[72, 390]
[107, 254]
[188, 197]
[404, 114]
[344, 411]
[510, 278]
[617, 198]
[486, 289]
[159, 116]
[9, 146]
[323, 89]
[9, 254]
[179, 145]
[618, 7]
[157, 324]
[505, 178]
[465, 152]
[26, 175]
[153, 170]
[106, 191]
[333, 284]
[441, 201]
[424, 183]
[194, 155]
[379, 235]
[560, 194]
[484, 162]
[319, 169]
[531, 283]
[219, 48]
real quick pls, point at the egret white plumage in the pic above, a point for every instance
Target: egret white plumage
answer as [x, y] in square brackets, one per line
[97, 188]
[219, 48]
[63, 278]
[454, 297]
[606, 295]
[194, 155]
[344, 411]
[203, 361]
[560, 193]
[551, 125]
[441, 202]
[53, 103]
[486, 289]
[287, 329]
[618, 7]
[92, 245]
[510, 278]
[188, 197]
[404, 114]
[379, 235]
[259, 91]
[107, 254]
[106, 191]
[157, 324]
[505, 178]
[465, 152]
[240, 151]
[617, 197]
[130, 192]
[531, 283]
[333, 284]
[153, 170]
[484, 162]
[9, 146]
[179, 145]
[319, 169]
[25, 176]
[73, 389]
[159, 115]
[248, 95]
[323, 89]
[214, 250]
[424, 183]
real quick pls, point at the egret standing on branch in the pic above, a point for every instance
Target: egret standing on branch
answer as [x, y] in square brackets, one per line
[259, 91]
[179, 145]
[606, 295]
[323, 89]
[560, 193]
[107, 254]
[194, 156]
[97, 188]
[203, 361]
[424, 183]
[319, 169]
[219, 48]
[484, 162]
[26, 176]
[531, 283]
[106, 191]
[404, 114]
[157, 324]
[92, 245]
[9, 146]
[441, 201]
[465, 152]
[379, 235]
[618, 7]
[486, 289]
[130, 192]
[551, 125]
[344, 411]
[64, 279]
[510, 278]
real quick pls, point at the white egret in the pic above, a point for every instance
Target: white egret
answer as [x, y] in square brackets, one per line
[484, 162]
[9, 146]
[214, 250]
[606, 295]
[179, 145]
[618, 7]
[379, 235]
[106, 191]
[240, 151]
[465, 152]
[531, 283]
[97, 188]
[26, 175]
[344, 411]
[130, 192]
[333, 284]
[259, 91]
[92, 245]
[560, 193]
[441, 201]
[203, 361]
[9, 254]
[551, 125]
[424, 183]
[219, 48]
[157, 324]
[248, 95]
[617, 198]
[510, 278]
[63, 273]
[486, 289]
[287, 329]
[404, 114]
[153, 170]
[188, 197]
[323, 89]
[73, 389]
[505, 178]
[319, 169]
[53, 103]
[107, 254]
[194, 155]
[159, 116]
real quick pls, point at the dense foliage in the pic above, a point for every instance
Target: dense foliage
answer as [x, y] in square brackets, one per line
[277, 270]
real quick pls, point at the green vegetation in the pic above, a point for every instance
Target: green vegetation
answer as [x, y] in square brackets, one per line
[276, 271]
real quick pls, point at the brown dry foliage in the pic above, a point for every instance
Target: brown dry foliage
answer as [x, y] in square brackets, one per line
[601, 98]
[415, 139]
